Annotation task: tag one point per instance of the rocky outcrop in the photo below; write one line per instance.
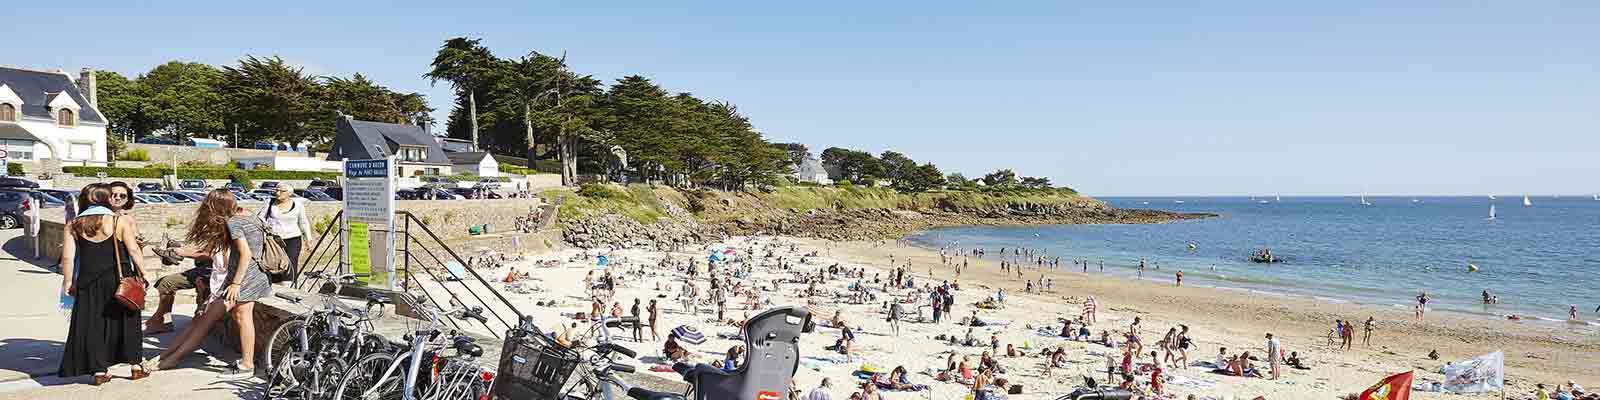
(609, 230)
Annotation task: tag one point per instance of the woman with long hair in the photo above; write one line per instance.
(103, 331)
(221, 226)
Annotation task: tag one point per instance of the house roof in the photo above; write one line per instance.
(38, 88)
(467, 157)
(16, 131)
(362, 140)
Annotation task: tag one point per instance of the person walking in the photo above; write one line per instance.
(286, 216)
(894, 316)
(221, 227)
(638, 321)
(102, 332)
(654, 312)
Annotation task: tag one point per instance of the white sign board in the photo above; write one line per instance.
(368, 191)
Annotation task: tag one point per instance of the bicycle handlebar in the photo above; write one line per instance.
(617, 348)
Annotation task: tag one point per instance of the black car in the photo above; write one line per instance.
(15, 203)
(11, 182)
(148, 187)
(268, 185)
(180, 196)
(192, 184)
(321, 183)
(313, 195)
(337, 193)
(234, 186)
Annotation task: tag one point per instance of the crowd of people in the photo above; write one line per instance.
(102, 252)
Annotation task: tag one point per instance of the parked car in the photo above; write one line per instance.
(266, 146)
(192, 184)
(158, 140)
(321, 183)
(487, 183)
(337, 193)
(15, 203)
(313, 195)
(146, 198)
(148, 187)
(426, 193)
(197, 195)
(175, 197)
(14, 182)
(62, 195)
(234, 186)
(268, 185)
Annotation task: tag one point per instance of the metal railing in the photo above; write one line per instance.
(421, 253)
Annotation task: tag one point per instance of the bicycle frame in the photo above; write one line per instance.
(421, 341)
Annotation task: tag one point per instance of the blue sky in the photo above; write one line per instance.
(1426, 97)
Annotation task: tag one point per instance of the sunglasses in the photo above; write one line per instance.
(119, 196)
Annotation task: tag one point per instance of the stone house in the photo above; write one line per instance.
(47, 120)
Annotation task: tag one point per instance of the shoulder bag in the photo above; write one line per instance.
(130, 290)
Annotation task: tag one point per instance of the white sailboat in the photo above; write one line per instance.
(1491, 212)
(1526, 202)
(1597, 197)
(1364, 200)
(1278, 198)
(1491, 197)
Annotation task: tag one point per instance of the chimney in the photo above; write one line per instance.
(86, 85)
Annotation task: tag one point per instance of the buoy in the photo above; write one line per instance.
(1472, 268)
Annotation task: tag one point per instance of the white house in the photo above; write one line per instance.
(811, 170)
(45, 116)
(476, 163)
(288, 163)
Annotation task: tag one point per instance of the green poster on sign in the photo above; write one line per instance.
(360, 252)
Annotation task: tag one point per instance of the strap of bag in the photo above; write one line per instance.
(115, 249)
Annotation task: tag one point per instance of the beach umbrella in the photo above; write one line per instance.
(689, 334)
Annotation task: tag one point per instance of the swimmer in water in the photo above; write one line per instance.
(1192, 246)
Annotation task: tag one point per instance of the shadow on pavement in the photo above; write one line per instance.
(36, 359)
(20, 248)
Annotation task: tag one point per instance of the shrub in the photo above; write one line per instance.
(597, 191)
(14, 169)
(134, 155)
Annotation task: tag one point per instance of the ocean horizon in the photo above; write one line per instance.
(1538, 260)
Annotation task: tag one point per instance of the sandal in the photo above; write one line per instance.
(138, 373)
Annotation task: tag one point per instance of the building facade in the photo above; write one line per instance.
(416, 152)
(48, 120)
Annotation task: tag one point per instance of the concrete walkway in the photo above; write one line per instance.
(33, 330)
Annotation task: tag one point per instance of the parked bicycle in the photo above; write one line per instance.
(309, 353)
(400, 373)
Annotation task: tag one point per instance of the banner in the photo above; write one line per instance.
(1482, 374)
(360, 252)
(1395, 387)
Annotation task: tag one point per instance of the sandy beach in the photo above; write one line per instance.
(1217, 318)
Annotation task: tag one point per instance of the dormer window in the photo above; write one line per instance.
(8, 112)
(65, 117)
(412, 153)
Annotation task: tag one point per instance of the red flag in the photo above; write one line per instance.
(1396, 387)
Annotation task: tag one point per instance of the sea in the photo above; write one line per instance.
(1539, 260)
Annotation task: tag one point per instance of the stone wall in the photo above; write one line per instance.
(160, 153)
(74, 182)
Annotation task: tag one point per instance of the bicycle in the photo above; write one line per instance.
(305, 354)
(398, 374)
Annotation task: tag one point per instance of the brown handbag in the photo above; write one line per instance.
(130, 290)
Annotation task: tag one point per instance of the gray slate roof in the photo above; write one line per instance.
(356, 139)
(37, 88)
(466, 157)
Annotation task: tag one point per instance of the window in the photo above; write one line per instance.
(8, 112)
(18, 149)
(66, 118)
(80, 151)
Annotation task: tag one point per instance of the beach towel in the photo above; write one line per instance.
(457, 272)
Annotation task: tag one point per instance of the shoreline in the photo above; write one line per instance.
(1540, 352)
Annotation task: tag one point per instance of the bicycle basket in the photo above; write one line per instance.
(532, 366)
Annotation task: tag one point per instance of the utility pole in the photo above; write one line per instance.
(472, 106)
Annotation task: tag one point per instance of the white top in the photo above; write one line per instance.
(818, 394)
(290, 223)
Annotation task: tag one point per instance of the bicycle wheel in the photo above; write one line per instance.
(282, 382)
(365, 373)
(284, 341)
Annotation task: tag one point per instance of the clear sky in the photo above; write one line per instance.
(1423, 97)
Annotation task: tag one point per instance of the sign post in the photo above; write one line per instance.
(5, 163)
(369, 201)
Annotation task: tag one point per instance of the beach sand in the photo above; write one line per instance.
(1217, 318)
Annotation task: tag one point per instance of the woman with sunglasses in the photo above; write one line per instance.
(286, 216)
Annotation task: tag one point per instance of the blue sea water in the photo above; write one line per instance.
(1539, 260)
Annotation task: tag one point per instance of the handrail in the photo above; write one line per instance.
(464, 265)
(446, 287)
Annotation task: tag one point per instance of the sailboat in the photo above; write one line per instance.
(1364, 200)
(1491, 197)
(1526, 202)
(1491, 212)
(1597, 197)
(1279, 199)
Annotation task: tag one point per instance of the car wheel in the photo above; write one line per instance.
(8, 221)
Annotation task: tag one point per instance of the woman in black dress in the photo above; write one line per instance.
(103, 332)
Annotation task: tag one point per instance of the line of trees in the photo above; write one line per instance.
(906, 175)
(536, 105)
(257, 99)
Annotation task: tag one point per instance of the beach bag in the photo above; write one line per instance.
(274, 259)
(130, 290)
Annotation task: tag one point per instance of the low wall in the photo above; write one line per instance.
(74, 182)
(160, 153)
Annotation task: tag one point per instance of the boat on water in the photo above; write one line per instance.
(1263, 202)
(1364, 200)
(1526, 202)
(1177, 201)
(1491, 197)
(1491, 212)
(1277, 198)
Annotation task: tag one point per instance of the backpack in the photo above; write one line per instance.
(273, 260)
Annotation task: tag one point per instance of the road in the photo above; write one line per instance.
(33, 331)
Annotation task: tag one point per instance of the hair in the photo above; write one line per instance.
(210, 227)
(83, 195)
(284, 187)
(125, 187)
(93, 194)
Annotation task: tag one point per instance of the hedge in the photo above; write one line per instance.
(199, 173)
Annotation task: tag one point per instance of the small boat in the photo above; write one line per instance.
(1263, 202)
(1491, 197)
(1177, 201)
(1526, 202)
(1277, 198)
(1491, 212)
(1414, 200)
(1364, 200)
(1597, 197)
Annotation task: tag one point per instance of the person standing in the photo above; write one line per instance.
(286, 216)
(654, 312)
(894, 316)
(638, 324)
(1274, 356)
(1422, 304)
(1180, 278)
(103, 332)
(221, 227)
(1366, 335)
